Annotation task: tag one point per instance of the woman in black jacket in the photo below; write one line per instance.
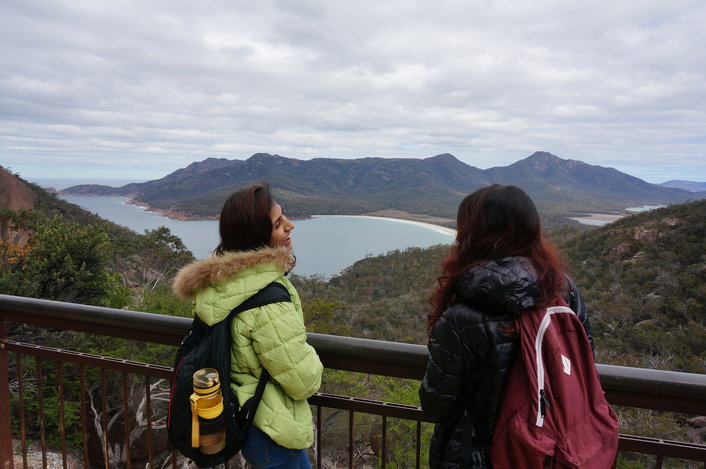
(499, 266)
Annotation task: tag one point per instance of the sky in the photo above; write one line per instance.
(134, 90)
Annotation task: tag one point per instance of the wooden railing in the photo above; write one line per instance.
(630, 387)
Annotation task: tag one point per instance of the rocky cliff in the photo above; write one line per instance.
(14, 194)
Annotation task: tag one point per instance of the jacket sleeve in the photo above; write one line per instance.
(444, 381)
(577, 304)
(279, 340)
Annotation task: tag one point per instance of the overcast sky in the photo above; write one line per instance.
(135, 89)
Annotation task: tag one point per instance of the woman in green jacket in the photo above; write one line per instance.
(255, 250)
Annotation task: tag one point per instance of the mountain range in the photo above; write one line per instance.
(691, 186)
(432, 186)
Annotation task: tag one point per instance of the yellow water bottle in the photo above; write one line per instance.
(208, 432)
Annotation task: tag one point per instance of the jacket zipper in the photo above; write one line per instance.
(541, 398)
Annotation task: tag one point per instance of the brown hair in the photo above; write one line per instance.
(245, 222)
(492, 223)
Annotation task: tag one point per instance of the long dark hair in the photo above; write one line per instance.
(492, 223)
(245, 222)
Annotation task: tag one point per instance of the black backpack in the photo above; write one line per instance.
(209, 347)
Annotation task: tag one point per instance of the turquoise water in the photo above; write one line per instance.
(644, 208)
(323, 245)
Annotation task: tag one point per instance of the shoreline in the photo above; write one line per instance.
(601, 216)
(605, 217)
(594, 218)
(438, 228)
(176, 215)
(167, 213)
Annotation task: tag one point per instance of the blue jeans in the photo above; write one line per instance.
(263, 453)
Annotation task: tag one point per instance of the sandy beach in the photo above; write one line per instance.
(439, 228)
(603, 216)
(597, 217)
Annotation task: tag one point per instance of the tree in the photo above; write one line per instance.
(67, 262)
(135, 411)
(149, 261)
(15, 225)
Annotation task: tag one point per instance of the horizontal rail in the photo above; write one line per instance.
(369, 406)
(635, 387)
(663, 448)
(628, 443)
(88, 359)
(125, 324)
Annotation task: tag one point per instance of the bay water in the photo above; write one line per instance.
(324, 245)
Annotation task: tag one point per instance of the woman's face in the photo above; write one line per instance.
(281, 228)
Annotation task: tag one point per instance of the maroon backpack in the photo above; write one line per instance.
(554, 413)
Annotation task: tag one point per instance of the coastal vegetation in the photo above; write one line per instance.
(643, 279)
(57, 251)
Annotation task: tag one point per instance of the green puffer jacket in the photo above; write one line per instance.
(272, 336)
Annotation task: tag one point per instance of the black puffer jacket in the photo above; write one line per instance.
(470, 357)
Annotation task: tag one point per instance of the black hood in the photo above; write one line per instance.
(506, 285)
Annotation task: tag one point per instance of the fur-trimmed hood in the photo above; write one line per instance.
(216, 270)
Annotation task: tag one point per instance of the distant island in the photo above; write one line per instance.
(426, 190)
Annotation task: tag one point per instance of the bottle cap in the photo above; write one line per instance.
(206, 378)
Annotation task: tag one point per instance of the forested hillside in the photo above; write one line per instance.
(382, 297)
(643, 279)
(55, 250)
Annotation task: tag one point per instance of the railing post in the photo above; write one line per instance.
(6, 456)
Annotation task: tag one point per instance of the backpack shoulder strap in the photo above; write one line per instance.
(274, 292)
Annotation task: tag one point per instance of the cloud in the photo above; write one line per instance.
(89, 84)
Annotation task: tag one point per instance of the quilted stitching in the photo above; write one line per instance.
(272, 335)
